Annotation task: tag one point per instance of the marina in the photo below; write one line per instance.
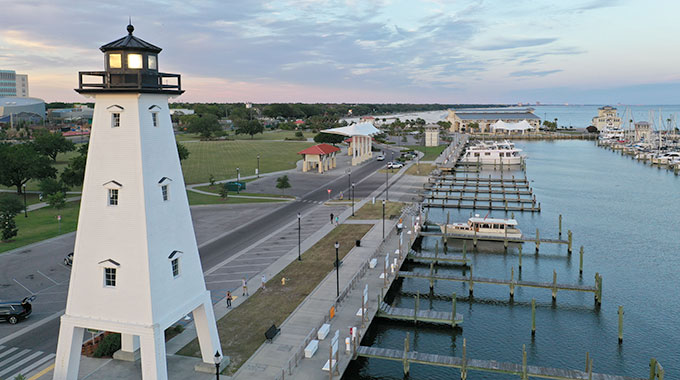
(520, 287)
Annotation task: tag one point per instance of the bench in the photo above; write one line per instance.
(271, 333)
(323, 331)
(373, 263)
(311, 348)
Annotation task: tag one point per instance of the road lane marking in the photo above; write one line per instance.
(20, 363)
(20, 284)
(36, 365)
(48, 277)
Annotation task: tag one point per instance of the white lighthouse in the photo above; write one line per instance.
(136, 268)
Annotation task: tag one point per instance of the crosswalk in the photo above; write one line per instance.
(16, 361)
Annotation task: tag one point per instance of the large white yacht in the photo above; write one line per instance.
(613, 133)
(494, 227)
(491, 152)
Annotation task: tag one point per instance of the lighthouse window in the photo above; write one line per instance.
(115, 61)
(175, 267)
(134, 61)
(154, 118)
(113, 197)
(164, 191)
(110, 277)
(152, 63)
(115, 120)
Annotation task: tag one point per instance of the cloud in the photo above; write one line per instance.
(503, 44)
(533, 73)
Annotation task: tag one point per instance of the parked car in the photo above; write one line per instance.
(68, 260)
(14, 311)
(394, 165)
(381, 158)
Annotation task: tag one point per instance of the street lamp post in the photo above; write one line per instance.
(238, 174)
(25, 207)
(258, 166)
(349, 182)
(218, 359)
(387, 183)
(352, 199)
(337, 270)
(383, 202)
(299, 239)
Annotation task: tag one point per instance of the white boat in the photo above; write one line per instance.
(666, 158)
(613, 133)
(493, 153)
(493, 227)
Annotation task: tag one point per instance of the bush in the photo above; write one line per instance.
(299, 134)
(107, 346)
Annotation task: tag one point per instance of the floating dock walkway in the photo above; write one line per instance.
(416, 315)
(465, 364)
(436, 258)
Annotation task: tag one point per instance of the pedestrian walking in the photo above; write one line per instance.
(337, 220)
(229, 298)
(331, 218)
(245, 286)
(264, 280)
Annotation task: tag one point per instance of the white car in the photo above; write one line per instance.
(395, 165)
(381, 158)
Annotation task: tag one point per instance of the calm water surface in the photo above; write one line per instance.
(625, 214)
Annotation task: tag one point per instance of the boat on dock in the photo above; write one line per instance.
(492, 227)
(493, 153)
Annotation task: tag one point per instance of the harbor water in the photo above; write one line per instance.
(627, 217)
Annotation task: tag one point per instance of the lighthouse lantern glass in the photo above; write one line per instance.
(115, 61)
(134, 61)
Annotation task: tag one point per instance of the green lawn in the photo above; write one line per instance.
(221, 158)
(268, 135)
(431, 152)
(204, 199)
(31, 198)
(42, 224)
(374, 211)
(60, 164)
(215, 189)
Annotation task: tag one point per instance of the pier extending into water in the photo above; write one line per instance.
(418, 315)
(465, 364)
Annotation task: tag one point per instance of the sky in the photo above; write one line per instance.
(363, 51)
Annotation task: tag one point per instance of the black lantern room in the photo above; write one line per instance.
(131, 65)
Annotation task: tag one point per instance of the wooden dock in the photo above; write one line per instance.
(480, 180)
(416, 315)
(437, 258)
(483, 206)
(524, 371)
(474, 190)
(460, 198)
(478, 237)
(511, 283)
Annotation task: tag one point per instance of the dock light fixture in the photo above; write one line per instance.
(352, 199)
(299, 238)
(258, 166)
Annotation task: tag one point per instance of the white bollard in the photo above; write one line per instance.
(348, 345)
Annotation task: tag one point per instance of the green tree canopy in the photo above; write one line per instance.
(50, 186)
(21, 163)
(283, 183)
(249, 127)
(74, 173)
(328, 138)
(10, 204)
(182, 151)
(51, 144)
(204, 125)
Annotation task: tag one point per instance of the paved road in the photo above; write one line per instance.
(260, 225)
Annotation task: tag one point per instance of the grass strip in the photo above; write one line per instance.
(215, 189)
(242, 329)
(371, 211)
(196, 199)
(420, 169)
(42, 224)
(431, 152)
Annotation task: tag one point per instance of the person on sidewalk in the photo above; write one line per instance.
(229, 298)
(264, 281)
(331, 218)
(245, 286)
(337, 220)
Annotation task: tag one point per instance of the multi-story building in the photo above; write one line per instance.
(13, 84)
(606, 118)
(461, 120)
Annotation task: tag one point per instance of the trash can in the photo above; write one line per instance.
(236, 186)
(358, 243)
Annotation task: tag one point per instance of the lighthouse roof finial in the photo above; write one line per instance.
(130, 28)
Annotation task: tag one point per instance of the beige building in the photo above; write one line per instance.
(431, 135)
(320, 156)
(461, 120)
(606, 118)
(643, 130)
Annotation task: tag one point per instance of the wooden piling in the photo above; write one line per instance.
(472, 284)
(525, 376)
(431, 276)
(520, 257)
(554, 289)
(406, 364)
(598, 288)
(463, 364)
(538, 241)
(415, 309)
(453, 310)
(620, 324)
(533, 317)
(512, 282)
(580, 262)
(559, 223)
(570, 242)
(505, 239)
(587, 361)
(464, 250)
